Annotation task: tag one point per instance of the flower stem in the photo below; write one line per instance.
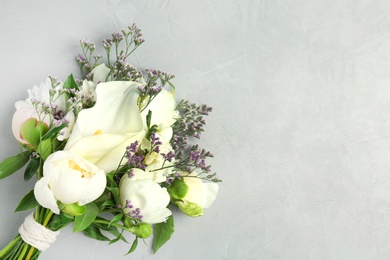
(114, 224)
(21, 256)
(5, 250)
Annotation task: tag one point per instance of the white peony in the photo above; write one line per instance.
(69, 179)
(140, 192)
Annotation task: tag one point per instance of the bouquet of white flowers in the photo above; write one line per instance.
(115, 142)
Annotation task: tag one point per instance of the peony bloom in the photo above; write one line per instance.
(32, 108)
(143, 198)
(192, 195)
(69, 179)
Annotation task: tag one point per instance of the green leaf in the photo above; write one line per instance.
(66, 218)
(116, 218)
(162, 233)
(70, 83)
(45, 148)
(94, 232)
(14, 163)
(31, 168)
(28, 202)
(83, 221)
(54, 131)
(148, 119)
(133, 246)
(111, 229)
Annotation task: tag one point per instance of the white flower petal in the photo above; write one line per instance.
(44, 196)
(210, 191)
(163, 109)
(100, 73)
(94, 188)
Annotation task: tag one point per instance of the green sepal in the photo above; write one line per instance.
(28, 202)
(32, 130)
(189, 208)
(31, 168)
(178, 189)
(143, 230)
(12, 164)
(162, 233)
(83, 221)
(45, 148)
(73, 209)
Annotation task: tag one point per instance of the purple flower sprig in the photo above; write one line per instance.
(134, 213)
(189, 161)
(155, 82)
(86, 60)
(133, 158)
(191, 122)
(120, 45)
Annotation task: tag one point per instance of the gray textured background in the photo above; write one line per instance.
(300, 128)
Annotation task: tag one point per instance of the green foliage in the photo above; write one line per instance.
(28, 202)
(133, 246)
(32, 130)
(162, 233)
(52, 132)
(31, 168)
(178, 189)
(12, 164)
(94, 232)
(83, 221)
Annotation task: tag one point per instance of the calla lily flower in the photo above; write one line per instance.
(102, 133)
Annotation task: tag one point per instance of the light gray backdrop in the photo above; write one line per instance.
(300, 128)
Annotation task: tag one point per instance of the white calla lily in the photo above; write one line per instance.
(102, 133)
(163, 108)
(100, 73)
(69, 179)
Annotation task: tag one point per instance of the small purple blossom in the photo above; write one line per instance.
(136, 213)
(133, 159)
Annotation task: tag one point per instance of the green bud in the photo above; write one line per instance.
(45, 148)
(127, 222)
(178, 190)
(32, 130)
(73, 209)
(143, 230)
(190, 209)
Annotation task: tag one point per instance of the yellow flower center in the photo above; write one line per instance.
(84, 173)
(98, 132)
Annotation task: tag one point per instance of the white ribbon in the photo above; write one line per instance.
(37, 235)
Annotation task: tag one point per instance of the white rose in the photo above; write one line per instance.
(142, 196)
(69, 179)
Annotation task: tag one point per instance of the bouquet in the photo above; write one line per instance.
(112, 152)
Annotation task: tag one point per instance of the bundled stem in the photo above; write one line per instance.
(19, 249)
